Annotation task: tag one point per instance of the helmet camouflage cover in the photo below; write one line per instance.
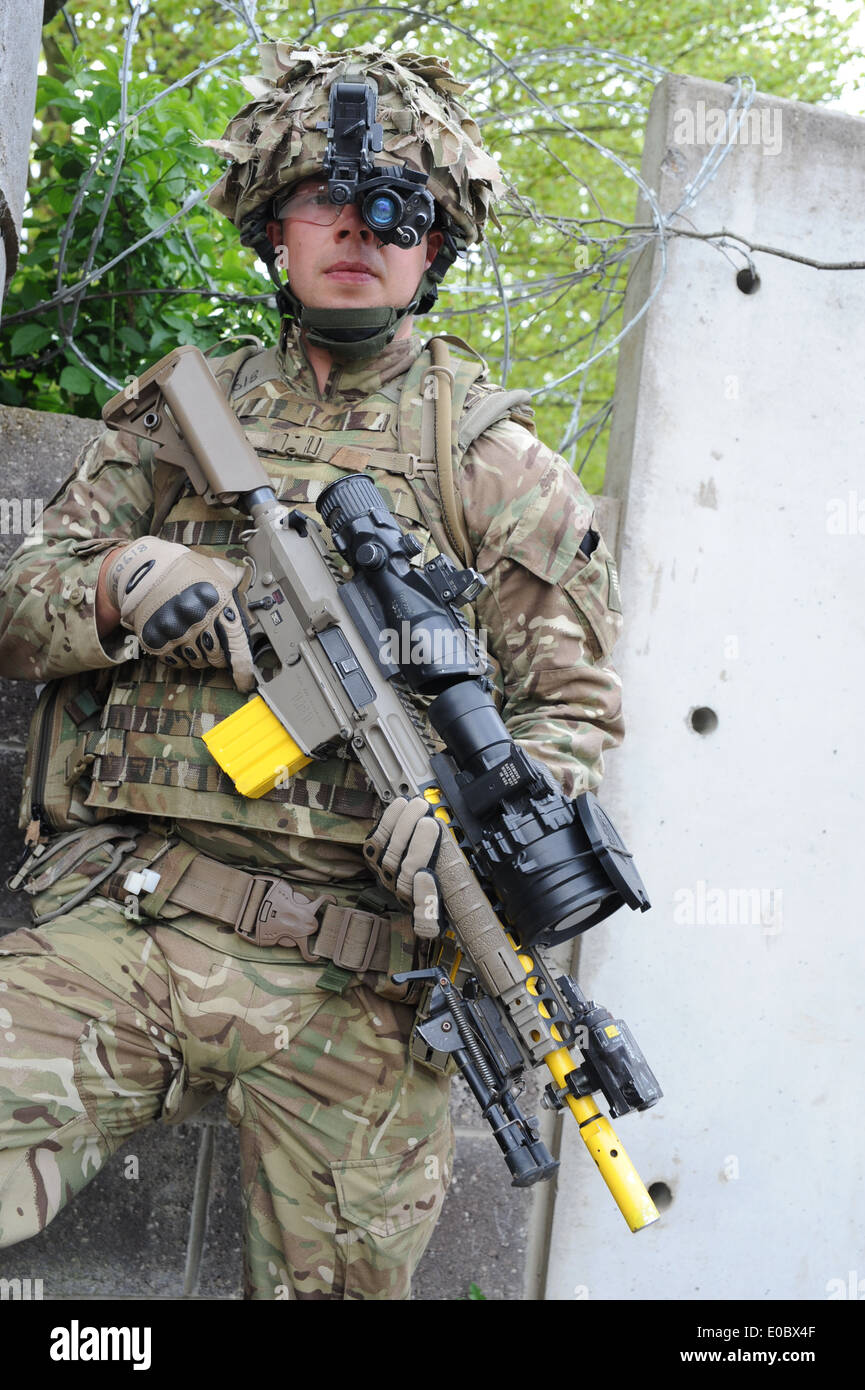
(273, 142)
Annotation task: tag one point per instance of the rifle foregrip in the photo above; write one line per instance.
(476, 924)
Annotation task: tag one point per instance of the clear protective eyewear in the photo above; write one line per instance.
(310, 204)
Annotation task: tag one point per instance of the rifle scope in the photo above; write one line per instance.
(556, 866)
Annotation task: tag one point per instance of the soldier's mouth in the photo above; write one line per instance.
(351, 271)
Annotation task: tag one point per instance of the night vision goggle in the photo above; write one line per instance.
(392, 198)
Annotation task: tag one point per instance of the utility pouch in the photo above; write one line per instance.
(61, 748)
(64, 871)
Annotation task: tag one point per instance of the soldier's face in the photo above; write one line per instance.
(344, 264)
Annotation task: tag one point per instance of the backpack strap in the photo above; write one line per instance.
(457, 405)
(437, 386)
(467, 347)
(491, 407)
(418, 412)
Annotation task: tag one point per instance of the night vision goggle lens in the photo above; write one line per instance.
(382, 211)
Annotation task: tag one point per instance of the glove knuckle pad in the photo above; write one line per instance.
(179, 613)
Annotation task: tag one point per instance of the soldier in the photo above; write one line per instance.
(147, 983)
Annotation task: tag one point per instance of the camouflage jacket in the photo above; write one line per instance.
(550, 614)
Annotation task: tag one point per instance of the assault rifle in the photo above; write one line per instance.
(516, 848)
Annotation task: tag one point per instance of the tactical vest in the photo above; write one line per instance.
(149, 756)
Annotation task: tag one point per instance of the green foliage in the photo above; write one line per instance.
(475, 1293)
(126, 319)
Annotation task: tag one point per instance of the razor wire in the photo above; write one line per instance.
(487, 287)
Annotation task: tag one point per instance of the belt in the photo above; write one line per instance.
(262, 908)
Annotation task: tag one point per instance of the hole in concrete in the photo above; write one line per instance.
(661, 1195)
(704, 720)
(748, 280)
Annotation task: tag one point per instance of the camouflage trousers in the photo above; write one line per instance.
(105, 1025)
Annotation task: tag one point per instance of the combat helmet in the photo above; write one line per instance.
(280, 138)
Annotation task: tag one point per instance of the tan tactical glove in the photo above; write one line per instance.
(183, 607)
(402, 851)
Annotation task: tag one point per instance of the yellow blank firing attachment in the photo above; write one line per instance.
(628, 1190)
(606, 1148)
(254, 749)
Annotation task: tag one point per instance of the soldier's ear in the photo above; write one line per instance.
(435, 241)
(274, 233)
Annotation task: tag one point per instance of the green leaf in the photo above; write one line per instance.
(106, 99)
(133, 338)
(30, 337)
(9, 393)
(159, 336)
(76, 381)
(65, 101)
(59, 199)
(49, 89)
(153, 218)
(175, 319)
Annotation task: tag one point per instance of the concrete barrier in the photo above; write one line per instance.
(736, 454)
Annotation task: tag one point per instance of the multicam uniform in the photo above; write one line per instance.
(345, 1142)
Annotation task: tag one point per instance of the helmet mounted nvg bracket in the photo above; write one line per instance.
(392, 201)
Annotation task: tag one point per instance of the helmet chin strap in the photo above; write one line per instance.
(349, 335)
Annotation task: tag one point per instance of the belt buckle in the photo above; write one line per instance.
(279, 916)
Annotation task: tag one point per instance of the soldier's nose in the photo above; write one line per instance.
(350, 221)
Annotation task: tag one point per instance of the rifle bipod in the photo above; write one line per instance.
(462, 1027)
